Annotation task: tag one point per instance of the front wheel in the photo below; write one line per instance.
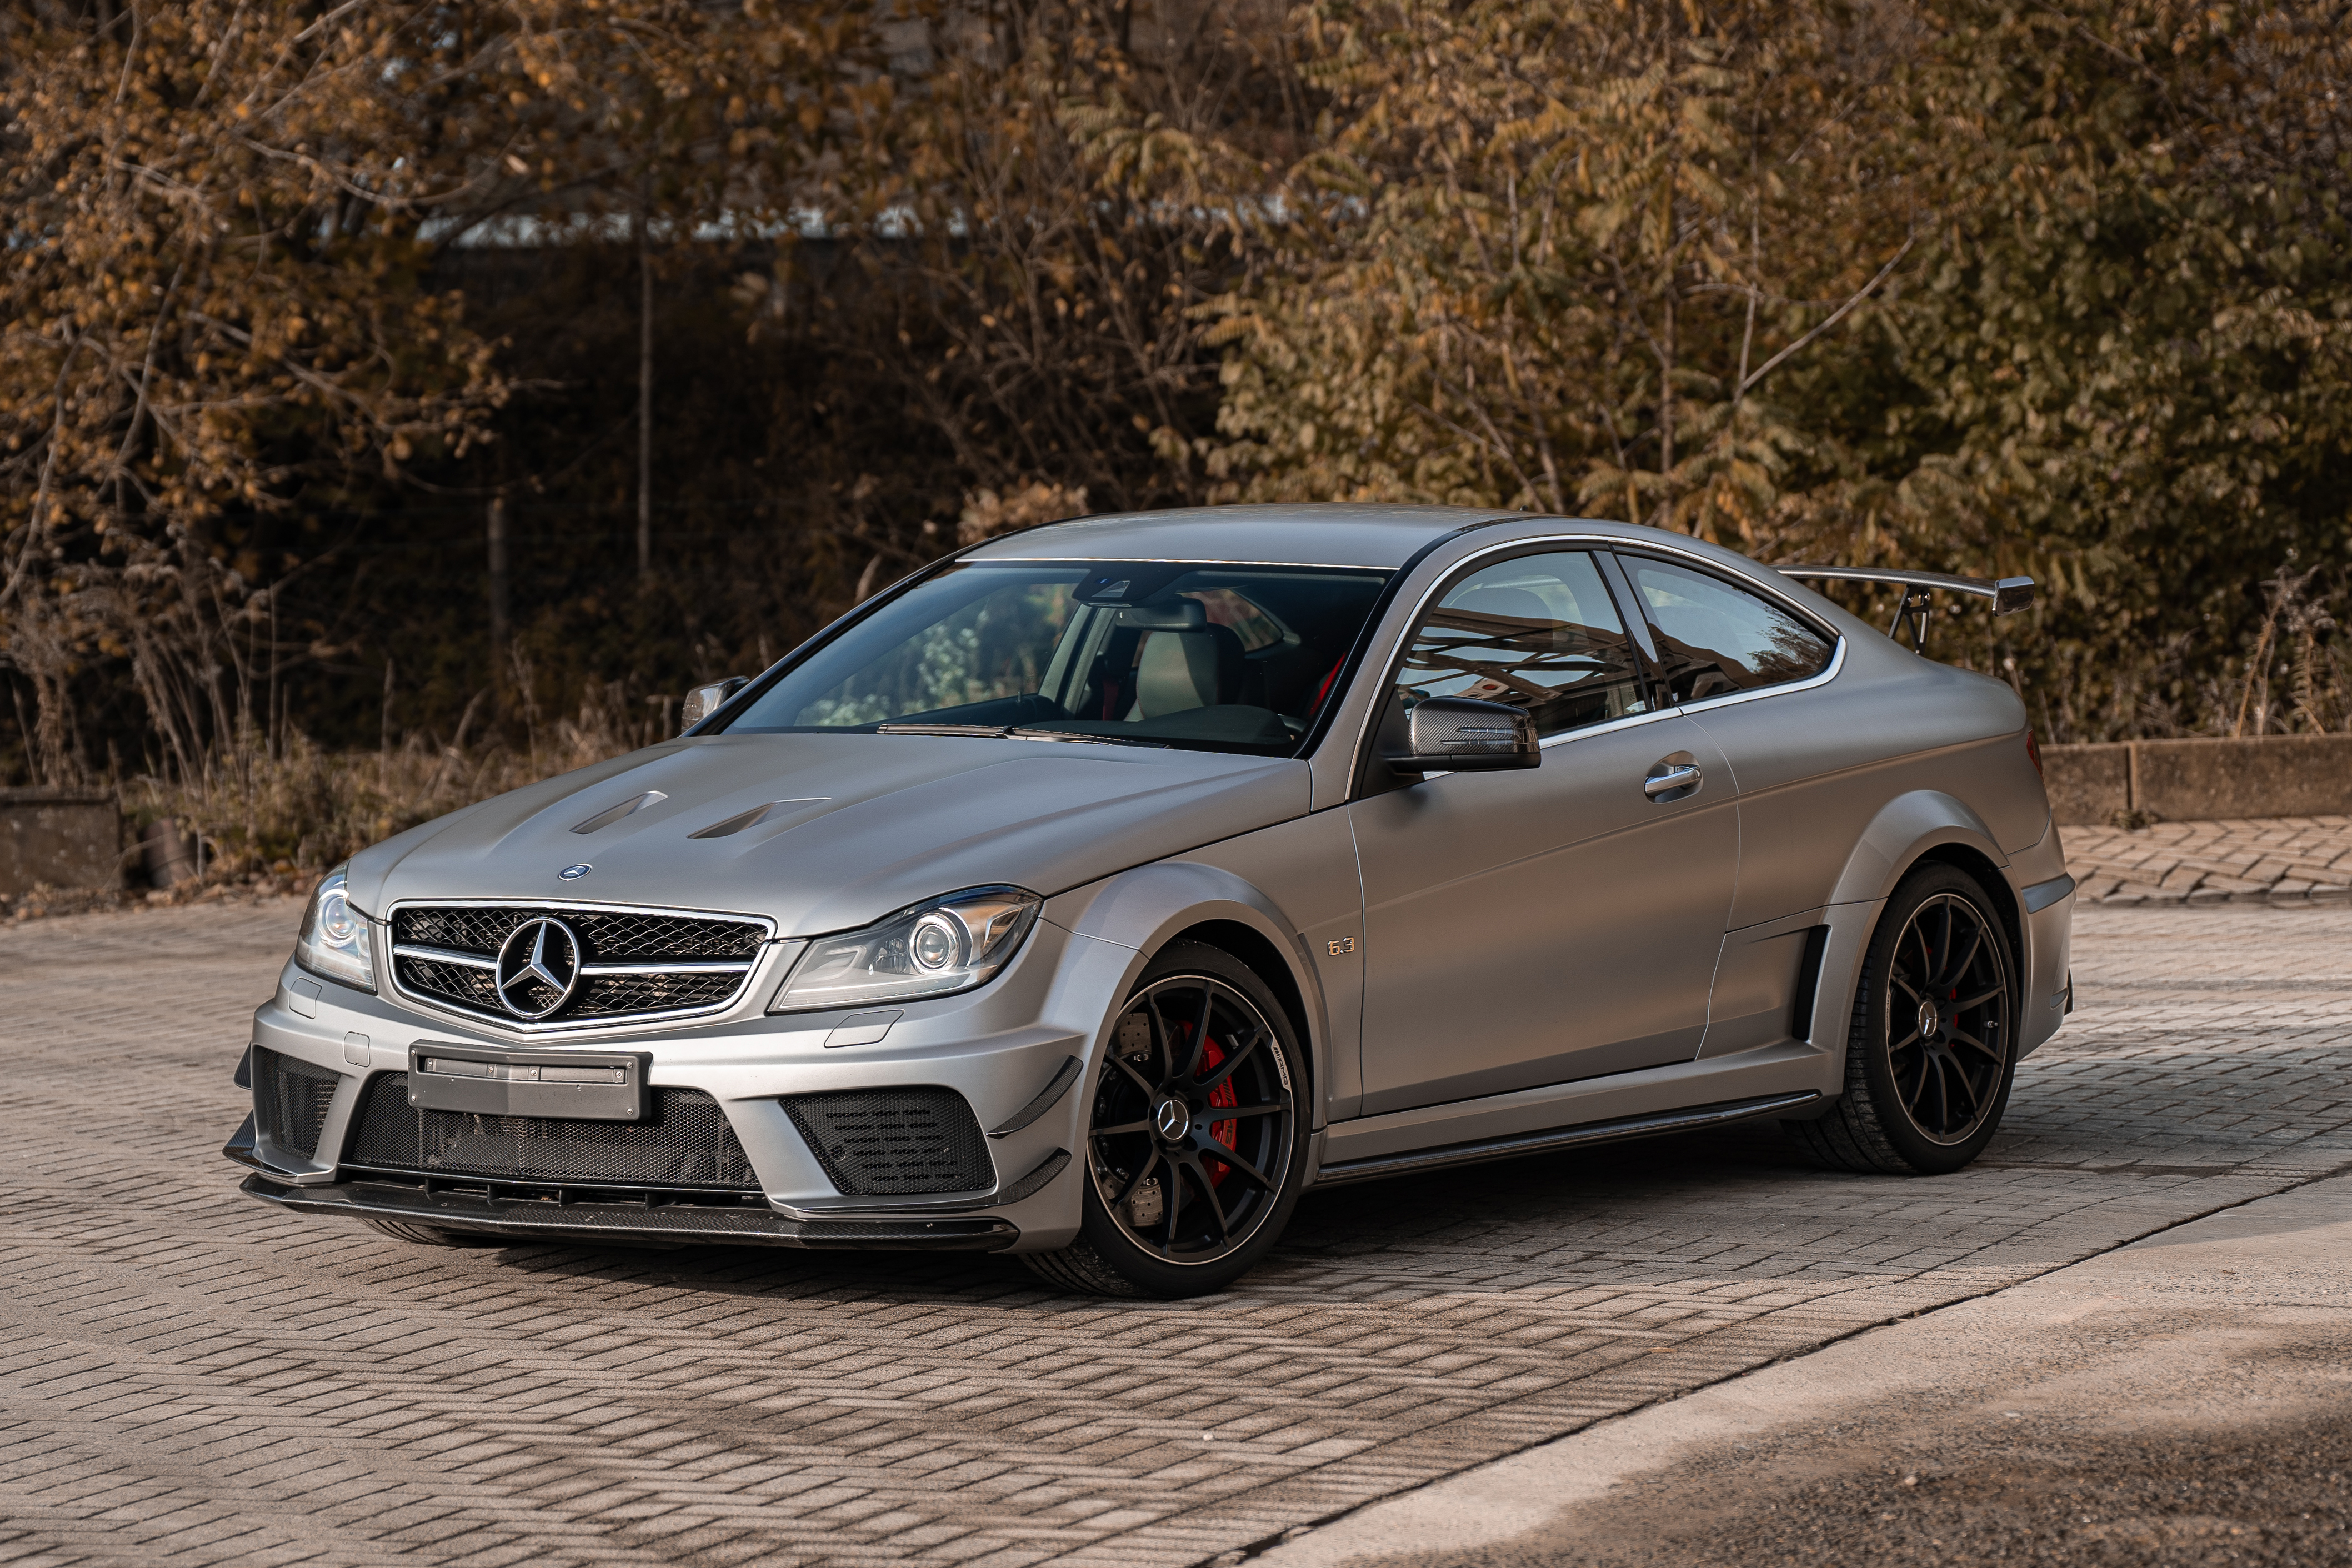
(1194, 1148)
(1933, 1046)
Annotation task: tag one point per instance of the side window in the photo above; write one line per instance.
(1714, 639)
(1538, 631)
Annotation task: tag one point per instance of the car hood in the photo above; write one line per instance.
(859, 825)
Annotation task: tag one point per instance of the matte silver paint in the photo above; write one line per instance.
(1474, 958)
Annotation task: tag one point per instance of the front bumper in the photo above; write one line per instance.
(1006, 1049)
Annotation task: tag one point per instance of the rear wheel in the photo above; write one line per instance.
(1932, 1049)
(1194, 1155)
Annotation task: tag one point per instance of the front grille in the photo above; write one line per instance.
(882, 1143)
(291, 1099)
(688, 1142)
(447, 954)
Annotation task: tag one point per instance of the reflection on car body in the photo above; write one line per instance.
(1094, 893)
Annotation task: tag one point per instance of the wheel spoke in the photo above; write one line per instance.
(1122, 1127)
(1159, 1038)
(1942, 1096)
(1133, 1076)
(1971, 1040)
(1209, 1191)
(1911, 1096)
(1969, 1003)
(1136, 1180)
(1952, 974)
(1907, 988)
(1216, 1113)
(1175, 1203)
(1967, 1088)
(1231, 1061)
(1200, 1033)
(1247, 1171)
(1906, 1042)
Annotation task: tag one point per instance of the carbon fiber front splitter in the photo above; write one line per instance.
(588, 1223)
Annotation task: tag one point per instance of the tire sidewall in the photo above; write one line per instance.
(1876, 1066)
(1157, 1276)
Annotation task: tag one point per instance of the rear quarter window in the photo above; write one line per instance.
(1716, 638)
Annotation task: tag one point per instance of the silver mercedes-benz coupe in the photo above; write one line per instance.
(1095, 892)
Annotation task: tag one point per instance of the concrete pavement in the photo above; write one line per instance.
(188, 1375)
(2182, 1399)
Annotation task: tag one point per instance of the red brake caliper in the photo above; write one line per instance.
(1225, 1133)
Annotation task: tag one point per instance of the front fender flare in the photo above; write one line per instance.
(1147, 908)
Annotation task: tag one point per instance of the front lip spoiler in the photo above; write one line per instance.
(587, 1223)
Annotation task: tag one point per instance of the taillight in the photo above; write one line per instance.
(2033, 750)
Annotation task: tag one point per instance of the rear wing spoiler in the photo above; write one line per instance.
(2008, 594)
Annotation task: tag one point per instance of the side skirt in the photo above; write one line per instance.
(1561, 1138)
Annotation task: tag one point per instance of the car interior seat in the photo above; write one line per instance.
(1175, 671)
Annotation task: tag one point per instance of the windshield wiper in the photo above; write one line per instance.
(1011, 732)
(1021, 733)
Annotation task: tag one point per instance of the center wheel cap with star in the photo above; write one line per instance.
(539, 967)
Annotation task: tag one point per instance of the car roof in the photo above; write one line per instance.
(1330, 534)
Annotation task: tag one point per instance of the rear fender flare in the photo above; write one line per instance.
(1145, 909)
(1906, 831)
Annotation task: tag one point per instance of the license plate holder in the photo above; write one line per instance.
(579, 1085)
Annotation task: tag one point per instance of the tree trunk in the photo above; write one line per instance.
(497, 587)
(644, 403)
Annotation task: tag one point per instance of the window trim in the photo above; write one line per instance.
(1609, 545)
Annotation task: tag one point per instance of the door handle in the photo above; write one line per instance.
(1673, 779)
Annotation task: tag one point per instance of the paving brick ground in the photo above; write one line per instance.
(2272, 860)
(188, 1376)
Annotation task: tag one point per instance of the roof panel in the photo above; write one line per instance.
(1335, 534)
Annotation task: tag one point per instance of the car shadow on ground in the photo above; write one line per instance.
(1535, 1204)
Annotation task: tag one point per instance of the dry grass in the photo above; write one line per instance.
(272, 823)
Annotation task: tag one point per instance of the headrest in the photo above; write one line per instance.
(1180, 669)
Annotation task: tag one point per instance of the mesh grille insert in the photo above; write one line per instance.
(687, 1144)
(879, 1143)
(606, 938)
(611, 939)
(291, 1099)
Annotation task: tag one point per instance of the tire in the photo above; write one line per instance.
(431, 1235)
(1164, 1216)
(1933, 1048)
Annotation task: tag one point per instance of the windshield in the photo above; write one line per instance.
(1213, 658)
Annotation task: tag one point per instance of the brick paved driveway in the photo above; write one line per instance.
(188, 1376)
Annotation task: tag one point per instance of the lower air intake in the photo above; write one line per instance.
(890, 1142)
(291, 1099)
(687, 1144)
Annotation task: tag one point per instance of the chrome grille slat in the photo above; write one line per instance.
(635, 964)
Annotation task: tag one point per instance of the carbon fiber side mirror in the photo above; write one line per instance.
(1463, 734)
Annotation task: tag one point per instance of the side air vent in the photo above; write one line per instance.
(894, 1142)
(291, 1099)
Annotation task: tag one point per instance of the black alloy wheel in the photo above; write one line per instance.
(1932, 1047)
(1193, 1149)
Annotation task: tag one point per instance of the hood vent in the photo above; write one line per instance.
(755, 816)
(606, 817)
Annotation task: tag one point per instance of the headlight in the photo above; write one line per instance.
(335, 942)
(951, 944)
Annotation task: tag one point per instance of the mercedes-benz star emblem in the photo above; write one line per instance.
(574, 872)
(1172, 1120)
(538, 967)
